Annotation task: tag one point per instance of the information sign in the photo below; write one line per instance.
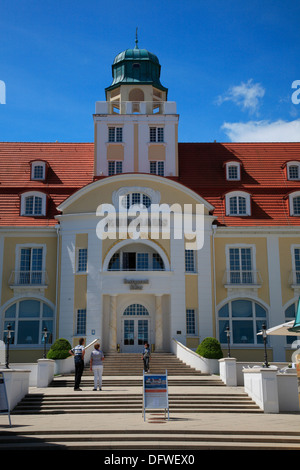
(155, 392)
(4, 406)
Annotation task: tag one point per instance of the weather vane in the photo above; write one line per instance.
(136, 38)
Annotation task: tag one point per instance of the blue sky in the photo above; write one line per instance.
(229, 65)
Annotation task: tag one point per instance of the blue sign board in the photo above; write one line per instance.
(155, 392)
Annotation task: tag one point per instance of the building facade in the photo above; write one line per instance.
(136, 237)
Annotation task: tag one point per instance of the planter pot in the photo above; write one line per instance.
(64, 366)
(209, 366)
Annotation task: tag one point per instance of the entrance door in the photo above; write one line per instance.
(135, 328)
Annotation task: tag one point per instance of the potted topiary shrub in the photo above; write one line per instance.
(59, 351)
(210, 351)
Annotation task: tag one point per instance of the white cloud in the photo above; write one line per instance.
(263, 131)
(245, 95)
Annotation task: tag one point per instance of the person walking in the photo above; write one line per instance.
(96, 365)
(78, 353)
(146, 357)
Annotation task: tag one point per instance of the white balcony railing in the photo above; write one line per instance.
(241, 278)
(135, 107)
(294, 279)
(28, 278)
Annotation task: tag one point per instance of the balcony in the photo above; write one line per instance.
(294, 279)
(135, 107)
(28, 279)
(242, 279)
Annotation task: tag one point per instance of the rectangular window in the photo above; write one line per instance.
(142, 262)
(293, 172)
(233, 173)
(157, 168)
(115, 134)
(156, 134)
(115, 167)
(38, 172)
(240, 261)
(157, 262)
(31, 265)
(297, 265)
(190, 261)
(190, 322)
(81, 322)
(82, 260)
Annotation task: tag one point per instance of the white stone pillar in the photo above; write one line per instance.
(158, 324)
(113, 323)
(228, 371)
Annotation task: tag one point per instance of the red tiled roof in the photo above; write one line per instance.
(71, 166)
(263, 175)
(201, 168)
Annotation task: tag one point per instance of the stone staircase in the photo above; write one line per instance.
(108, 402)
(131, 364)
(192, 396)
(151, 439)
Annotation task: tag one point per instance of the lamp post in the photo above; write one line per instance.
(264, 335)
(8, 337)
(228, 339)
(45, 340)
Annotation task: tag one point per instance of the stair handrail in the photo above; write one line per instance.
(88, 350)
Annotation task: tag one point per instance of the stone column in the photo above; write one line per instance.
(158, 324)
(113, 323)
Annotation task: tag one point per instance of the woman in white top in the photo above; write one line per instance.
(96, 366)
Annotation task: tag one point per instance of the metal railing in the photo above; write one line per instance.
(242, 278)
(28, 278)
(294, 278)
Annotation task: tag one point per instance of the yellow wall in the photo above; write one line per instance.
(9, 260)
(286, 266)
(261, 264)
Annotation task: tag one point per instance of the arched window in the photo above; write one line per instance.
(238, 203)
(293, 171)
(294, 201)
(135, 309)
(33, 203)
(233, 171)
(244, 318)
(290, 314)
(28, 318)
(136, 257)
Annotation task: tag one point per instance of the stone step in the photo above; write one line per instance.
(156, 439)
(131, 364)
(97, 402)
(68, 381)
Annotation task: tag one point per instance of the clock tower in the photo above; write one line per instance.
(136, 128)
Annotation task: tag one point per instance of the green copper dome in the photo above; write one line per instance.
(136, 66)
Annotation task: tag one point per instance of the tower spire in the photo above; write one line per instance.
(136, 38)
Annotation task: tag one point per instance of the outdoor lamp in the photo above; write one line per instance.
(8, 337)
(264, 335)
(228, 339)
(45, 341)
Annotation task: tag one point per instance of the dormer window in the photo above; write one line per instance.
(33, 203)
(233, 171)
(38, 170)
(294, 202)
(293, 171)
(238, 203)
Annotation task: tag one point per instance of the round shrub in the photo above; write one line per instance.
(59, 349)
(210, 348)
